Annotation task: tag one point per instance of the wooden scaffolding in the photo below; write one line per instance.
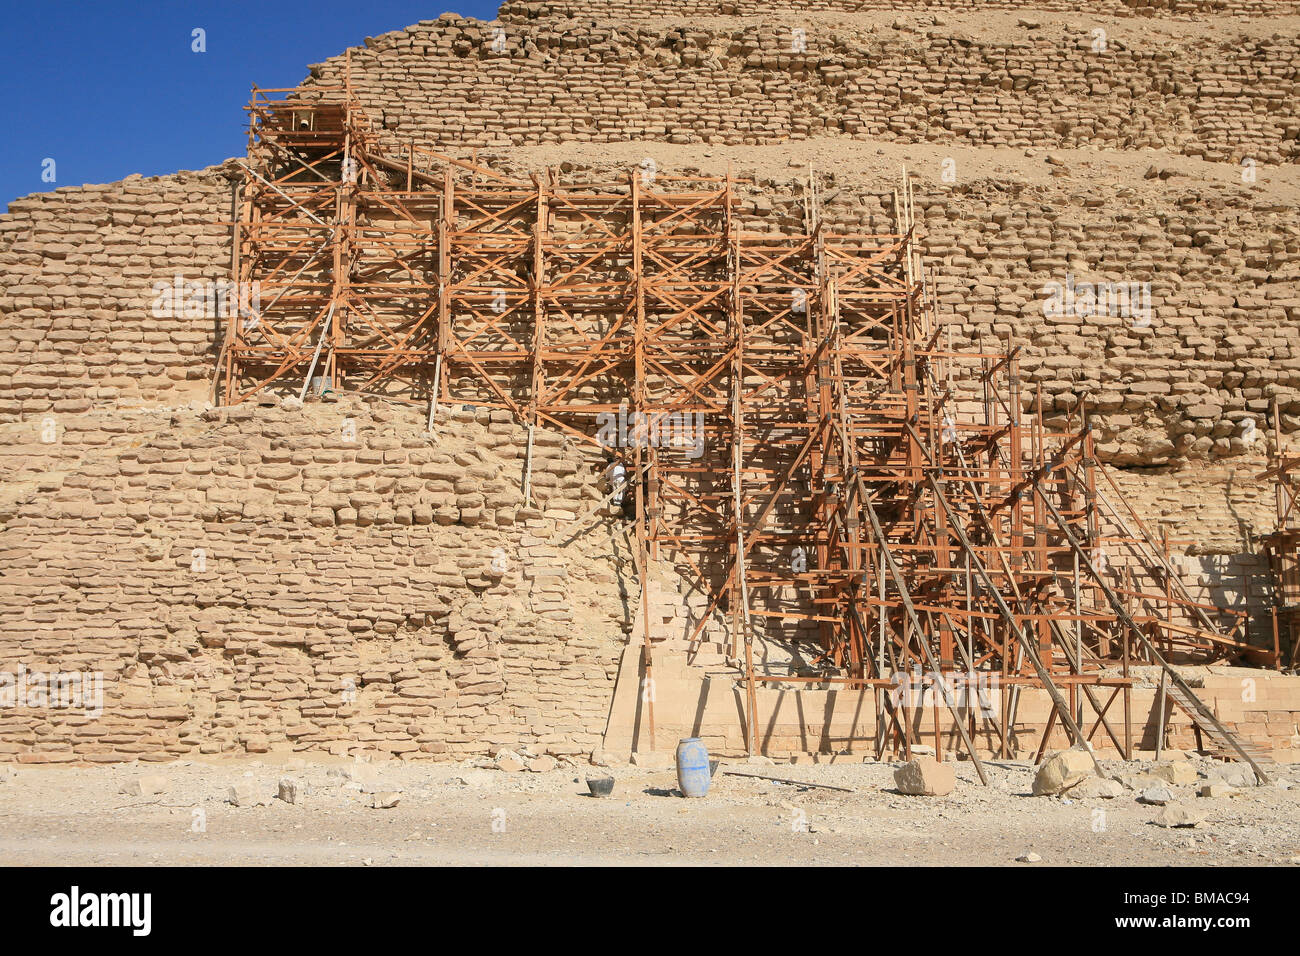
(803, 445)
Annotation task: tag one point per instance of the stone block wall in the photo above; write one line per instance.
(347, 599)
(78, 268)
(795, 720)
(1220, 95)
(524, 10)
(250, 580)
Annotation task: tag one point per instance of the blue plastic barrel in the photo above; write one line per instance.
(692, 767)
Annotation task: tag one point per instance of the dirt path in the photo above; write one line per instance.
(454, 815)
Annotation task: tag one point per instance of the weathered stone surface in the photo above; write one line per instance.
(245, 793)
(412, 664)
(1061, 771)
(1179, 815)
(1179, 774)
(145, 786)
(292, 790)
(925, 777)
(510, 762)
(1097, 788)
(1157, 796)
(1215, 790)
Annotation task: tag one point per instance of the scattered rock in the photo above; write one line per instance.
(925, 777)
(1061, 771)
(509, 761)
(759, 760)
(384, 799)
(146, 786)
(1156, 796)
(354, 773)
(291, 790)
(1177, 815)
(244, 794)
(543, 764)
(1029, 858)
(1215, 789)
(1138, 781)
(1178, 774)
(1097, 788)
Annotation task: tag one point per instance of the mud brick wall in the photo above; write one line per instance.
(1221, 96)
(391, 595)
(77, 273)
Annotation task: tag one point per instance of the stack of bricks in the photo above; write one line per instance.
(329, 579)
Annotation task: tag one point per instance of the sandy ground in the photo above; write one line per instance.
(456, 815)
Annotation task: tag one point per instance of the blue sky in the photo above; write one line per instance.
(107, 88)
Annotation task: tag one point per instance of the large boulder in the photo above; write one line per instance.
(925, 777)
(1061, 771)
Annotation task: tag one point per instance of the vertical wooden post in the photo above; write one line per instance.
(638, 408)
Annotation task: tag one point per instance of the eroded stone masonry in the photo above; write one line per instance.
(336, 578)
